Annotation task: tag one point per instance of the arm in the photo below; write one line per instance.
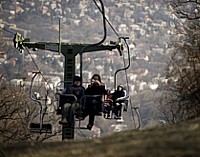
(125, 97)
(68, 90)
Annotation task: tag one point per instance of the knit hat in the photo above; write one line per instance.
(120, 86)
(77, 78)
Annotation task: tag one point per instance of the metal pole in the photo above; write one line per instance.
(59, 48)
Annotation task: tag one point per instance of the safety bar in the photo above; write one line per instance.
(72, 98)
(88, 96)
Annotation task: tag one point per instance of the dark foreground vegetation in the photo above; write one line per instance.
(176, 140)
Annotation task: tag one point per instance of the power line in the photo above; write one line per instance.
(34, 62)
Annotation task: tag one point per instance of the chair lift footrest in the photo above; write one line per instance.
(37, 128)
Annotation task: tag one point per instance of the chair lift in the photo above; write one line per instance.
(108, 104)
(69, 51)
(78, 114)
(109, 108)
(40, 126)
(133, 108)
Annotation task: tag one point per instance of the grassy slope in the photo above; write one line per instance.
(172, 141)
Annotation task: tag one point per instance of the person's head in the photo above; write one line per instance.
(96, 77)
(120, 88)
(96, 80)
(77, 80)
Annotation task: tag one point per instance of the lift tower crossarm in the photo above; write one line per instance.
(20, 43)
(77, 47)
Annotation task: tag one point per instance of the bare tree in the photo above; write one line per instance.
(16, 112)
(16, 108)
(180, 99)
(189, 9)
(14, 115)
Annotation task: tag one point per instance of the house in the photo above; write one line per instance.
(2, 57)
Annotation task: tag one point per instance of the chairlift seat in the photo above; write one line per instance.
(38, 128)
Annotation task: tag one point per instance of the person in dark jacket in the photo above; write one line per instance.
(73, 92)
(119, 101)
(95, 91)
(75, 88)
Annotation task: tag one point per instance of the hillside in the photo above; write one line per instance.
(175, 141)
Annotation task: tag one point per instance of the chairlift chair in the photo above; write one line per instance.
(69, 51)
(40, 126)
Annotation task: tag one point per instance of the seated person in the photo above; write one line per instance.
(119, 101)
(108, 104)
(94, 104)
(68, 109)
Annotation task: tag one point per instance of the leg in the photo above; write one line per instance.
(79, 112)
(96, 107)
(116, 110)
(91, 112)
(125, 105)
(122, 110)
(64, 112)
(91, 121)
(68, 112)
(108, 111)
(65, 109)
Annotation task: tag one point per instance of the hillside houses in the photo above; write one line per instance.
(2, 57)
(142, 20)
